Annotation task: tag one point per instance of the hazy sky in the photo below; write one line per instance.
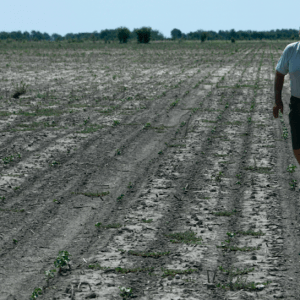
(74, 16)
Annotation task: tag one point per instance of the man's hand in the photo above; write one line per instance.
(276, 109)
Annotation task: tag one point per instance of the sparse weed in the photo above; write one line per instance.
(147, 221)
(49, 274)
(116, 123)
(36, 293)
(147, 125)
(236, 271)
(291, 168)
(218, 176)
(20, 90)
(125, 292)
(11, 158)
(120, 197)
(62, 260)
(235, 248)
(293, 184)
(188, 237)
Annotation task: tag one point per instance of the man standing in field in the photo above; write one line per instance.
(289, 62)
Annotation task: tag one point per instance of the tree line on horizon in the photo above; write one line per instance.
(145, 34)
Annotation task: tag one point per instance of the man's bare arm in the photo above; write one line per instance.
(279, 79)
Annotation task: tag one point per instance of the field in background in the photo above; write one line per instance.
(170, 149)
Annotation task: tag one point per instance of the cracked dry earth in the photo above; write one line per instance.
(172, 149)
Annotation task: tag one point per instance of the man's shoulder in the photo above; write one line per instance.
(293, 46)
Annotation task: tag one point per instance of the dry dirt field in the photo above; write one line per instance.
(158, 168)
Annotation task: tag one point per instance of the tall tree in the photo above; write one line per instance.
(176, 34)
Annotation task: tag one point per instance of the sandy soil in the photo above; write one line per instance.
(171, 148)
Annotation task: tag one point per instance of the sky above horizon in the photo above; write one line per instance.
(66, 16)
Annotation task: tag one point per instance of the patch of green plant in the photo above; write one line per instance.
(224, 213)
(147, 221)
(187, 237)
(36, 293)
(172, 273)
(116, 225)
(148, 254)
(160, 152)
(178, 145)
(173, 104)
(116, 123)
(11, 158)
(130, 185)
(49, 274)
(62, 260)
(147, 125)
(293, 184)
(126, 292)
(236, 271)
(241, 284)
(262, 170)
(5, 113)
(218, 177)
(291, 168)
(20, 90)
(182, 124)
(250, 232)
(54, 163)
(120, 197)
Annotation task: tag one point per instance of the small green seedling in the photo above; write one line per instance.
(182, 124)
(118, 152)
(98, 224)
(36, 293)
(218, 176)
(62, 260)
(125, 292)
(160, 152)
(116, 123)
(55, 200)
(147, 125)
(238, 176)
(86, 121)
(147, 221)
(120, 197)
(291, 168)
(130, 185)
(15, 241)
(293, 184)
(49, 274)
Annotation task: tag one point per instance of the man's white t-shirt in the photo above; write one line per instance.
(289, 62)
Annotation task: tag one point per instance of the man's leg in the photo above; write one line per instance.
(297, 155)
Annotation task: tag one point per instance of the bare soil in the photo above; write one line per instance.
(172, 147)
